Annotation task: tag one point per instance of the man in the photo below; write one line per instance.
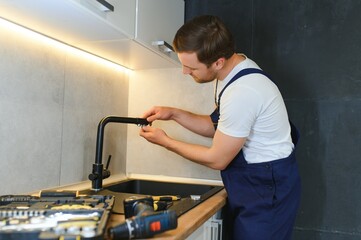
(252, 143)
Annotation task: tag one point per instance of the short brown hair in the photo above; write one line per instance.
(207, 36)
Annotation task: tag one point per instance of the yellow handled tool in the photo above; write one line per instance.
(166, 198)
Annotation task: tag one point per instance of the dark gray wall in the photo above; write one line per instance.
(313, 50)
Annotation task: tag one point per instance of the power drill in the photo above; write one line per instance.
(141, 221)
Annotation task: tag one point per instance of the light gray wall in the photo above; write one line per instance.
(50, 104)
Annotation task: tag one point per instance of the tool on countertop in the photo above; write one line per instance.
(166, 198)
(141, 219)
(54, 215)
(162, 205)
(164, 202)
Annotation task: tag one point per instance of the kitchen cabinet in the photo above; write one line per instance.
(124, 36)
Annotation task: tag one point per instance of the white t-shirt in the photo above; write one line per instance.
(253, 107)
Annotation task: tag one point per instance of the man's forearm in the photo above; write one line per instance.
(199, 124)
(195, 153)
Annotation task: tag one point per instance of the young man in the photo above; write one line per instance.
(252, 143)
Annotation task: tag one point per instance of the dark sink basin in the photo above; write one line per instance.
(123, 190)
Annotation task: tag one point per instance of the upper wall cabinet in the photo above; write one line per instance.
(133, 33)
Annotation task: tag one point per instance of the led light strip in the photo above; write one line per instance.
(39, 37)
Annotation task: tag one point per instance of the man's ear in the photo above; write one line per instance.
(219, 63)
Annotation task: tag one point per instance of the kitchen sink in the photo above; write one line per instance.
(191, 194)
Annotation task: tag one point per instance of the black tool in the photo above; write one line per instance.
(162, 205)
(6, 199)
(142, 221)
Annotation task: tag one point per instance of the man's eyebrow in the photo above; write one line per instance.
(189, 67)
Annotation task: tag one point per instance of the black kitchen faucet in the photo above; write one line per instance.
(99, 172)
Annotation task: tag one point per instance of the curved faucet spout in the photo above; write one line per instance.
(98, 172)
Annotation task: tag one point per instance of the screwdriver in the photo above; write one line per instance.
(166, 198)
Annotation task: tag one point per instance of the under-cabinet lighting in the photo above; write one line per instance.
(38, 37)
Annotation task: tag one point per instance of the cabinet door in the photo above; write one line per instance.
(158, 20)
(123, 17)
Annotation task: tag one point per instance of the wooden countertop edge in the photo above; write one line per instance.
(192, 220)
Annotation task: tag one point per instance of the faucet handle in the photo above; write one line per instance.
(93, 176)
(106, 172)
(107, 166)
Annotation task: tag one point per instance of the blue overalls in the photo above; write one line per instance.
(263, 198)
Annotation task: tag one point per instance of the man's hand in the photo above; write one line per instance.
(154, 135)
(158, 113)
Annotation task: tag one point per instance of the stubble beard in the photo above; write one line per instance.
(208, 79)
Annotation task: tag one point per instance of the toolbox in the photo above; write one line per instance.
(54, 216)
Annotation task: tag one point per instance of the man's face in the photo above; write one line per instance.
(197, 70)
